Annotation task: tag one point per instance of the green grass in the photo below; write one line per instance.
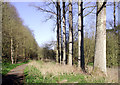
(91, 64)
(7, 66)
(33, 75)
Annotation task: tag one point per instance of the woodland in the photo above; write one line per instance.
(77, 57)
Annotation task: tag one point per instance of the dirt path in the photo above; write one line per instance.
(15, 76)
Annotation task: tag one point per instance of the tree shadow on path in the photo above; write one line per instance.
(12, 80)
(15, 76)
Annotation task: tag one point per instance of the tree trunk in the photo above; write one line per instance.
(114, 15)
(82, 39)
(70, 34)
(60, 39)
(118, 14)
(81, 61)
(100, 41)
(12, 60)
(58, 51)
(64, 35)
(79, 33)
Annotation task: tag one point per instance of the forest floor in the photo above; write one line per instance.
(15, 76)
(51, 72)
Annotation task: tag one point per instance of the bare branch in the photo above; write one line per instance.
(87, 3)
(54, 3)
(90, 12)
(104, 3)
(44, 10)
(48, 18)
(90, 7)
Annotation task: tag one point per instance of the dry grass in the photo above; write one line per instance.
(54, 69)
(57, 69)
(112, 74)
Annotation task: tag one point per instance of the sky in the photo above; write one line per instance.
(43, 31)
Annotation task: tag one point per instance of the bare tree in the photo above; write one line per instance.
(100, 38)
(60, 37)
(70, 34)
(64, 34)
(58, 51)
(80, 36)
(114, 15)
(79, 33)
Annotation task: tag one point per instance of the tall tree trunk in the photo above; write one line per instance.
(114, 15)
(60, 39)
(58, 51)
(118, 14)
(12, 60)
(1, 11)
(100, 41)
(70, 34)
(79, 33)
(64, 34)
(81, 61)
(82, 39)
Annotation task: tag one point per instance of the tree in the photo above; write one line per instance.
(58, 51)
(64, 34)
(100, 38)
(60, 36)
(80, 36)
(79, 33)
(0, 31)
(16, 36)
(114, 14)
(70, 34)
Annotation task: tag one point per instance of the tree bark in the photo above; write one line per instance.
(58, 52)
(12, 60)
(60, 39)
(82, 39)
(64, 35)
(100, 38)
(79, 33)
(114, 15)
(70, 34)
(81, 61)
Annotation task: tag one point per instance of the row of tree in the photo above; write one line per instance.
(100, 46)
(18, 41)
(66, 51)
